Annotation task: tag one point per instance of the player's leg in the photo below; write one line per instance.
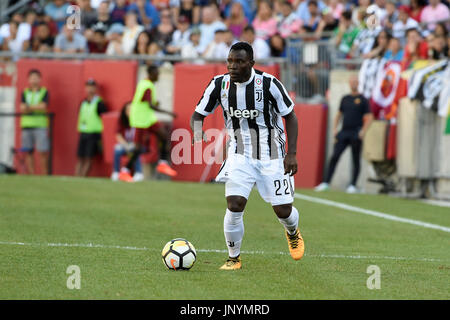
(237, 190)
(277, 188)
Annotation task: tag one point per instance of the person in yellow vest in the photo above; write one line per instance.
(34, 127)
(90, 127)
(144, 119)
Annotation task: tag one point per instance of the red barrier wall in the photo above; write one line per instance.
(65, 82)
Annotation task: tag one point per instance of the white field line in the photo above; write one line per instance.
(371, 212)
(101, 246)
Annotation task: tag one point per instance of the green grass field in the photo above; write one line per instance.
(115, 231)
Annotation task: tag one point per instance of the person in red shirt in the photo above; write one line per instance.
(416, 9)
(98, 43)
(416, 48)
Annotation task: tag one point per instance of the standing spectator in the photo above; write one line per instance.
(415, 48)
(70, 41)
(303, 11)
(13, 42)
(147, 14)
(90, 127)
(403, 23)
(180, 36)
(380, 46)
(210, 24)
(416, 9)
(346, 33)
(236, 21)
(114, 36)
(119, 11)
(162, 34)
(356, 117)
(125, 145)
(57, 11)
(288, 22)
(260, 47)
(131, 32)
(265, 24)
(99, 43)
(391, 14)
(434, 12)
(42, 41)
(34, 101)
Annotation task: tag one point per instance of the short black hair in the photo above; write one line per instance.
(152, 69)
(347, 15)
(243, 46)
(249, 28)
(34, 71)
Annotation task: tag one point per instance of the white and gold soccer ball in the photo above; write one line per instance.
(179, 254)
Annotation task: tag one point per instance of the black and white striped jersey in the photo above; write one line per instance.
(252, 111)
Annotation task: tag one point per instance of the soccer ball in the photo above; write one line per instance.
(179, 254)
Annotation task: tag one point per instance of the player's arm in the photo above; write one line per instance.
(290, 161)
(156, 107)
(207, 104)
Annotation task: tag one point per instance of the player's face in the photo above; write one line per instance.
(239, 65)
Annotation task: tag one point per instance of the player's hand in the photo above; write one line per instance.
(290, 164)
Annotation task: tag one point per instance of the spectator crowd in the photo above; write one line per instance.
(396, 29)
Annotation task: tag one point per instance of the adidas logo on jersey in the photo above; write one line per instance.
(245, 113)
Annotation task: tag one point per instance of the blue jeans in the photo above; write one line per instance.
(119, 151)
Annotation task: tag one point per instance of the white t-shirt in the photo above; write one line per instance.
(261, 49)
(129, 38)
(399, 28)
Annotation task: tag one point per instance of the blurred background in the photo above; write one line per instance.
(397, 50)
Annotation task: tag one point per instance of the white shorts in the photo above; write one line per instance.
(241, 173)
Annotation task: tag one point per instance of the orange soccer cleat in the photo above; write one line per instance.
(125, 175)
(296, 244)
(164, 168)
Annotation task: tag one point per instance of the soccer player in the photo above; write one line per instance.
(143, 118)
(90, 126)
(253, 103)
(35, 126)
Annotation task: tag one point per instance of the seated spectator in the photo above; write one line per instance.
(131, 32)
(227, 7)
(119, 11)
(434, 12)
(180, 36)
(13, 42)
(223, 48)
(395, 51)
(236, 21)
(142, 43)
(211, 49)
(391, 15)
(103, 16)
(88, 14)
(4, 29)
(57, 11)
(441, 30)
(328, 24)
(42, 41)
(186, 8)
(415, 48)
(147, 15)
(192, 49)
(261, 49)
(438, 48)
(345, 34)
(125, 145)
(25, 25)
(303, 11)
(162, 34)
(312, 23)
(288, 22)
(98, 43)
(416, 9)
(114, 36)
(70, 41)
(380, 46)
(265, 24)
(403, 23)
(210, 24)
(277, 46)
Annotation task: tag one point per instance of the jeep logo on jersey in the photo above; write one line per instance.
(245, 113)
